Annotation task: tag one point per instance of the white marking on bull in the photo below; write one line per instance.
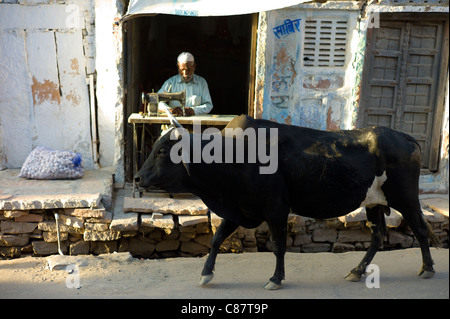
(375, 195)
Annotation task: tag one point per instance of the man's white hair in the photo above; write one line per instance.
(185, 57)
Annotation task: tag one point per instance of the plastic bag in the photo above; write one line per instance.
(44, 163)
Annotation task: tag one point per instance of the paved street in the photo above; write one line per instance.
(318, 275)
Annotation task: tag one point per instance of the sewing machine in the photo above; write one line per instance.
(151, 100)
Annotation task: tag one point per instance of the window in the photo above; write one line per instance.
(325, 42)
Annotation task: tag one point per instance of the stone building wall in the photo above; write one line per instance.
(157, 235)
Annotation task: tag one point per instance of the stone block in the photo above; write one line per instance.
(167, 245)
(15, 213)
(50, 226)
(27, 202)
(202, 228)
(342, 247)
(10, 227)
(232, 245)
(324, 235)
(165, 222)
(103, 247)
(249, 239)
(109, 235)
(348, 236)
(215, 221)
(434, 217)
(165, 206)
(302, 239)
(42, 248)
(437, 204)
(354, 216)
(96, 226)
(71, 221)
(30, 218)
(10, 252)
(13, 240)
(187, 236)
(193, 248)
(51, 237)
(107, 218)
(99, 212)
(186, 220)
(124, 222)
(399, 238)
(80, 247)
(139, 247)
(205, 239)
(296, 223)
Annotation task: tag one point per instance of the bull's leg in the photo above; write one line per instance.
(416, 221)
(226, 228)
(278, 230)
(375, 216)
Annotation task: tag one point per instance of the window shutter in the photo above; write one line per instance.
(325, 42)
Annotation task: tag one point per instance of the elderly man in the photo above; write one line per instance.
(198, 99)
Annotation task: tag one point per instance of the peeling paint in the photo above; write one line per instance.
(45, 91)
(74, 66)
(332, 124)
(325, 82)
(74, 97)
(288, 120)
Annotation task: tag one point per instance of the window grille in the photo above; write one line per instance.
(325, 42)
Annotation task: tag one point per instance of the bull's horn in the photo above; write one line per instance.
(172, 118)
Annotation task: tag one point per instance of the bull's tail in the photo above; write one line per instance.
(434, 239)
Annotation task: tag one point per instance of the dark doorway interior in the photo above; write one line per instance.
(221, 46)
(224, 49)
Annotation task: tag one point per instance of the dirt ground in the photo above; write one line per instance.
(318, 275)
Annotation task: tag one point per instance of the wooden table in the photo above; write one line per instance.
(140, 154)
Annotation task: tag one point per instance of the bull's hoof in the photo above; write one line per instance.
(270, 285)
(426, 274)
(351, 276)
(205, 279)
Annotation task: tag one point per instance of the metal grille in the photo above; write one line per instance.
(325, 42)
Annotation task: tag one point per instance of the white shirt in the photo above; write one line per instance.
(197, 93)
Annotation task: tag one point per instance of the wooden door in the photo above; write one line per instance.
(401, 80)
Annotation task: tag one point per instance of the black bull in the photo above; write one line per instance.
(320, 175)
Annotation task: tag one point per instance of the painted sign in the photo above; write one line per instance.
(283, 30)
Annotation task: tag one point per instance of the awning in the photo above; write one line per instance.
(204, 8)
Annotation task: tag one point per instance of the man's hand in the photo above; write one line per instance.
(189, 111)
(178, 111)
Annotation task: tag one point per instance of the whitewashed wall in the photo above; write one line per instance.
(46, 56)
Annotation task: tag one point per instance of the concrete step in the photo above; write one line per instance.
(24, 194)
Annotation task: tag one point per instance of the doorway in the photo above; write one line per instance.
(224, 48)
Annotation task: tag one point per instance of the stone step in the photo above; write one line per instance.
(94, 188)
(438, 204)
(173, 206)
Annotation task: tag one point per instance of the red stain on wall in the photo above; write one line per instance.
(74, 66)
(45, 91)
(332, 125)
